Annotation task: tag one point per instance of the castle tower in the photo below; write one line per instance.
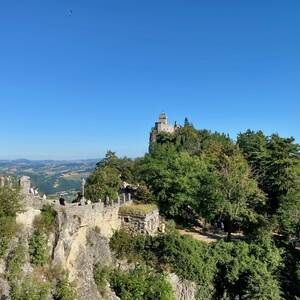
(161, 126)
(24, 183)
(163, 119)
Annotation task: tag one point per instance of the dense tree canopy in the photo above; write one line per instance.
(274, 162)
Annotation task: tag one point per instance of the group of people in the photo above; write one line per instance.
(79, 199)
(35, 191)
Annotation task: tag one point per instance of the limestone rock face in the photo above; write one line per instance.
(4, 289)
(2, 266)
(184, 289)
(96, 252)
(80, 244)
(26, 218)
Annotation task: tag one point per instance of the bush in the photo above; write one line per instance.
(8, 228)
(46, 220)
(127, 246)
(29, 289)
(9, 206)
(55, 272)
(235, 269)
(141, 283)
(101, 277)
(65, 290)
(38, 249)
(15, 262)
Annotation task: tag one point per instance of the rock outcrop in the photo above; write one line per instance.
(184, 289)
(79, 242)
(82, 237)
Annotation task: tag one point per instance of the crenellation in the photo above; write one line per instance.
(162, 126)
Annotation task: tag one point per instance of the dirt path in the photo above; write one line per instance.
(208, 237)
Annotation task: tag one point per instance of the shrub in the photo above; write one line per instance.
(9, 206)
(101, 277)
(65, 290)
(8, 228)
(141, 283)
(55, 272)
(46, 220)
(38, 249)
(235, 269)
(138, 248)
(29, 289)
(15, 262)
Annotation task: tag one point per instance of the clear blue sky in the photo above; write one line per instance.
(80, 77)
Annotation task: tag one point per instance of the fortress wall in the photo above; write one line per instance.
(92, 215)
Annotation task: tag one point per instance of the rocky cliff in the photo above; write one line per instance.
(78, 241)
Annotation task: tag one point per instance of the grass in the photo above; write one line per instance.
(137, 209)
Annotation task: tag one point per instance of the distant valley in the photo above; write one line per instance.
(52, 177)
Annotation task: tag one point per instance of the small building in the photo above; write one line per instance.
(139, 218)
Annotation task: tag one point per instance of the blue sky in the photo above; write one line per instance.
(80, 77)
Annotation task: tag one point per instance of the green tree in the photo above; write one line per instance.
(236, 194)
(125, 166)
(103, 182)
(143, 193)
(281, 169)
(247, 271)
(289, 215)
(174, 179)
(274, 162)
(106, 180)
(254, 147)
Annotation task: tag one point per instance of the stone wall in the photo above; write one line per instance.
(144, 224)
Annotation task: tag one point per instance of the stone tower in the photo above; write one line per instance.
(161, 126)
(25, 184)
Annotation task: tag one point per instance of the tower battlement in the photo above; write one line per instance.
(162, 126)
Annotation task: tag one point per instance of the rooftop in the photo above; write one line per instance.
(137, 209)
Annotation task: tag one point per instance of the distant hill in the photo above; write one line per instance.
(52, 177)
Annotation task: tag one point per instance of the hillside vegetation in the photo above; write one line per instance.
(197, 179)
(203, 178)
